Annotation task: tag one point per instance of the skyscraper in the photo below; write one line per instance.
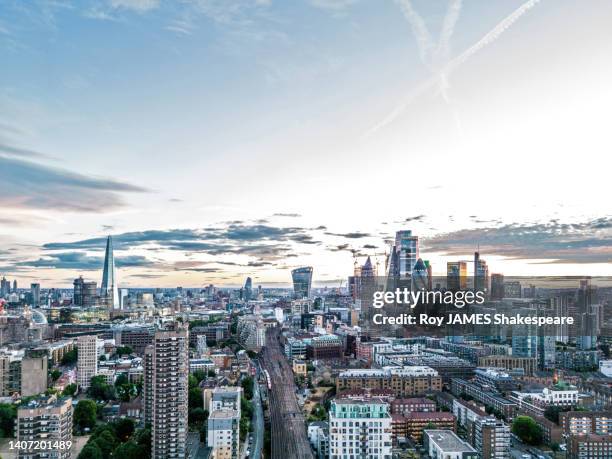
(87, 362)
(109, 289)
(35, 291)
(403, 257)
(5, 287)
(497, 286)
(302, 281)
(169, 358)
(481, 274)
(248, 289)
(420, 276)
(456, 275)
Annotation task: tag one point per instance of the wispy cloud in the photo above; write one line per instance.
(29, 185)
(555, 242)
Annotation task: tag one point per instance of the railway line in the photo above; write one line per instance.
(288, 429)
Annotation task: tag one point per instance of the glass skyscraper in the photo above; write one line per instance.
(302, 281)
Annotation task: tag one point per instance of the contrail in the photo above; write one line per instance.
(419, 29)
(448, 28)
(445, 72)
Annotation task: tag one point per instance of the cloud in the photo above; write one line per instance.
(351, 235)
(264, 243)
(82, 261)
(30, 185)
(292, 215)
(139, 6)
(12, 150)
(334, 5)
(553, 242)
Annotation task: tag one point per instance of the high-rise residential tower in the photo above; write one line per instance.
(167, 371)
(302, 281)
(109, 289)
(87, 361)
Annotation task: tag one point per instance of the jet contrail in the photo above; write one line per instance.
(445, 72)
(493, 35)
(448, 28)
(419, 29)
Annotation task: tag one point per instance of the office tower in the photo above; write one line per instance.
(5, 287)
(302, 282)
(456, 275)
(15, 286)
(513, 289)
(124, 294)
(403, 257)
(248, 289)
(169, 362)
(84, 292)
(109, 289)
(481, 274)
(87, 361)
(35, 291)
(47, 419)
(420, 276)
(492, 438)
(360, 428)
(223, 434)
(497, 287)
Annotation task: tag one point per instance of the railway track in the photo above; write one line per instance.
(288, 429)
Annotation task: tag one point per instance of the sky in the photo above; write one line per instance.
(219, 139)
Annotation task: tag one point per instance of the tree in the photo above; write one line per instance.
(85, 414)
(106, 441)
(124, 428)
(129, 450)
(55, 374)
(143, 438)
(527, 430)
(124, 350)
(99, 389)
(552, 413)
(70, 357)
(90, 451)
(247, 384)
(8, 413)
(69, 390)
(197, 416)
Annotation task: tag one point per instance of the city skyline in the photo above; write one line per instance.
(273, 102)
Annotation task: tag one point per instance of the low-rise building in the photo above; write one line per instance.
(445, 444)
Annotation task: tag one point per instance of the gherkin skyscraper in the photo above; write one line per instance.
(109, 290)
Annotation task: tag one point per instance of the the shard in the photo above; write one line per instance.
(109, 290)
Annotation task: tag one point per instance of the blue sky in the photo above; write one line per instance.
(132, 116)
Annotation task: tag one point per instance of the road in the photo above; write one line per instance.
(288, 427)
(258, 424)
